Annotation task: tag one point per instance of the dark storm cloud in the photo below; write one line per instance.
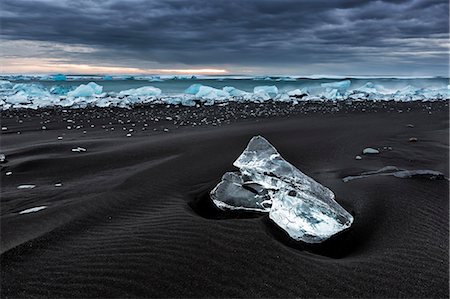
(253, 33)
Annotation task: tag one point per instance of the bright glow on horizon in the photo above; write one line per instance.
(49, 66)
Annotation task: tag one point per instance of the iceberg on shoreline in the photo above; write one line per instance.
(35, 95)
(87, 90)
(298, 204)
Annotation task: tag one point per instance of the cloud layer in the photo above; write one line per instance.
(261, 36)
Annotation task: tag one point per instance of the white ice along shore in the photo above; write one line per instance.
(298, 204)
(35, 95)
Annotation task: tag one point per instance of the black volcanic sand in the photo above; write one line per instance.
(133, 217)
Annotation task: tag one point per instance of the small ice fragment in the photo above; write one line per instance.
(4, 128)
(26, 186)
(8, 173)
(60, 138)
(128, 135)
(79, 149)
(58, 185)
(2, 158)
(369, 150)
(32, 210)
(358, 158)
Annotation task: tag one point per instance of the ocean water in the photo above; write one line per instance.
(124, 91)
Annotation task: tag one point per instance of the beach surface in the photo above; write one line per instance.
(130, 216)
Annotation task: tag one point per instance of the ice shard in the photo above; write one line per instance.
(232, 193)
(302, 207)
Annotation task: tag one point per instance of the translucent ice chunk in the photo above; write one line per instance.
(302, 207)
(193, 89)
(5, 84)
(270, 90)
(60, 77)
(210, 92)
(340, 86)
(87, 90)
(232, 193)
(234, 92)
(141, 91)
(30, 90)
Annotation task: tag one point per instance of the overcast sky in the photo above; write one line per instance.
(292, 37)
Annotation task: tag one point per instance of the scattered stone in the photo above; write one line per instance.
(358, 158)
(8, 173)
(413, 139)
(58, 185)
(2, 158)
